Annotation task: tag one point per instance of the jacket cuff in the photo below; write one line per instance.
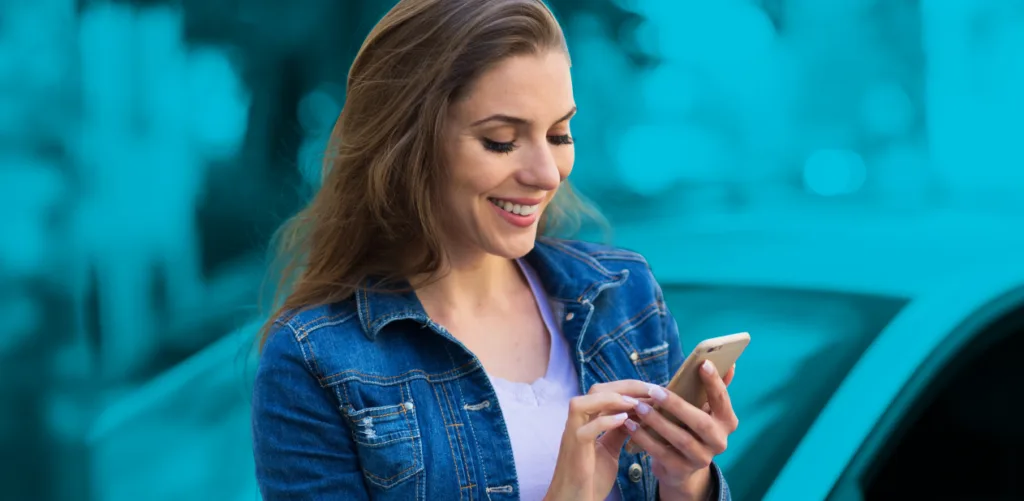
(721, 489)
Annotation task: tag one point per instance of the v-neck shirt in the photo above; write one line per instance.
(535, 413)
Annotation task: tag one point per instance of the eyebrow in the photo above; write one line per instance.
(518, 121)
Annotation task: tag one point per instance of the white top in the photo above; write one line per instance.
(535, 412)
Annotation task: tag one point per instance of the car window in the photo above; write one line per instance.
(803, 342)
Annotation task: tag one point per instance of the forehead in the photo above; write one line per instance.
(533, 86)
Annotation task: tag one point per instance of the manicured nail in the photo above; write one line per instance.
(708, 367)
(631, 425)
(630, 400)
(656, 392)
(620, 416)
(642, 408)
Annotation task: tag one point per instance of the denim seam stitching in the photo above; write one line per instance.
(654, 351)
(626, 326)
(583, 258)
(442, 404)
(450, 402)
(619, 256)
(653, 357)
(324, 321)
(450, 429)
(401, 378)
(597, 362)
(471, 435)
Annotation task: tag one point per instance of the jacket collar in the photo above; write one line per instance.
(567, 274)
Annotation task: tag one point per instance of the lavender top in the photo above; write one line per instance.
(535, 412)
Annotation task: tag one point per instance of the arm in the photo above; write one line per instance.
(302, 446)
(710, 483)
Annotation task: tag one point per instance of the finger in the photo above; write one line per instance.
(727, 379)
(614, 439)
(648, 400)
(703, 425)
(631, 387)
(664, 453)
(688, 443)
(718, 396)
(601, 424)
(583, 407)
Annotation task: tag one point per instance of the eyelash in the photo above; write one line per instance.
(506, 148)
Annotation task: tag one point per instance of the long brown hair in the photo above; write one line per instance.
(375, 215)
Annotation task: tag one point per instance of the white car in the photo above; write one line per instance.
(880, 361)
(882, 354)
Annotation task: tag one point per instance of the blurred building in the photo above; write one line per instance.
(149, 148)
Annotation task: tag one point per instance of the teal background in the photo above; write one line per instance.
(840, 178)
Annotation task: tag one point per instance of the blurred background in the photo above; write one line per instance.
(841, 178)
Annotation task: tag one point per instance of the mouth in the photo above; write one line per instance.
(518, 209)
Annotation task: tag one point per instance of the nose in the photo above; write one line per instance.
(540, 170)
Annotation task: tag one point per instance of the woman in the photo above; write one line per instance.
(430, 345)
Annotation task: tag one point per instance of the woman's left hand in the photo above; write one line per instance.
(682, 465)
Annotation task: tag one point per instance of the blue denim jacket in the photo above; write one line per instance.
(370, 399)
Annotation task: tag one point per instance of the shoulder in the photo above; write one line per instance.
(307, 335)
(603, 253)
(612, 260)
(306, 322)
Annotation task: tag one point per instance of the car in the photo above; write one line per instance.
(876, 353)
(882, 353)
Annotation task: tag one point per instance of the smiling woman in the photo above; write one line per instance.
(430, 342)
(509, 165)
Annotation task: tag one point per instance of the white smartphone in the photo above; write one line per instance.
(723, 351)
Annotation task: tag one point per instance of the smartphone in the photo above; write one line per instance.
(723, 351)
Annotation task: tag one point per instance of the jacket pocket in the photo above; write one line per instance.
(652, 364)
(388, 441)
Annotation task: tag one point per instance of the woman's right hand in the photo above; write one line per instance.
(588, 458)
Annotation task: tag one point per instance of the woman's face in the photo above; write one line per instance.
(508, 148)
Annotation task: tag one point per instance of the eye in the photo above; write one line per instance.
(560, 140)
(498, 147)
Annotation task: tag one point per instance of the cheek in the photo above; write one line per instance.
(471, 170)
(565, 161)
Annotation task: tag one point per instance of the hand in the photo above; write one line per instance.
(588, 458)
(682, 464)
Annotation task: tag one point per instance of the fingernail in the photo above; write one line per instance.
(708, 367)
(631, 425)
(656, 392)
(620, 416)
(642, 408)
(630, 400)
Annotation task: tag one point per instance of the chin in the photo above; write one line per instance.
(513, 247)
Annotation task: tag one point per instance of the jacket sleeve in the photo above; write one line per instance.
(675, 360)
(302, 446)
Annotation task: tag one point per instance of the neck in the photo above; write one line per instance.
(470, 283)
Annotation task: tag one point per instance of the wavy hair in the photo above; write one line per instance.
(374, 215)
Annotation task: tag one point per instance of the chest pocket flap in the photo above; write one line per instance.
(388, 442)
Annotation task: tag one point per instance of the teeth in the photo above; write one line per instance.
(521, 210)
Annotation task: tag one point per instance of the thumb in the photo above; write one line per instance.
(614, 439)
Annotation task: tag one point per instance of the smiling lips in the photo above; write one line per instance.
(521, 212)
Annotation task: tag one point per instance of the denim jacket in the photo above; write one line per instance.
(370, 399)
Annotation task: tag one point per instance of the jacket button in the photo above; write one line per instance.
(570, 316)
(634, 356)
(636, 472)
